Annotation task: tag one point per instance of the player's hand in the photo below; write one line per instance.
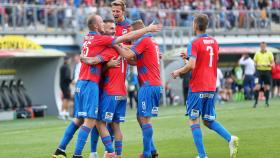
(114, 62)
(175, 74)
(183, 56)
(154, 27)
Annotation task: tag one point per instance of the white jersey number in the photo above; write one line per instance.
(85, 49)
(211, 54)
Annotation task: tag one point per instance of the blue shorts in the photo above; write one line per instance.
(201, 104)
(86, 99)
(148, 101)
(112, 108)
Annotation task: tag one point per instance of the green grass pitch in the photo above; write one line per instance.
(258, 130)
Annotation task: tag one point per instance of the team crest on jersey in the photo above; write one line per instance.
(124, 31)
(109, 116)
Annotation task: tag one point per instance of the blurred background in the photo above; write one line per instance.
(40, 44)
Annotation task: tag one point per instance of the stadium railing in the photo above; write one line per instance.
(54, 19)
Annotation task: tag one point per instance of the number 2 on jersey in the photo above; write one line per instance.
(211, 54)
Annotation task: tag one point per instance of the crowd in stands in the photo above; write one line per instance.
(226, 14)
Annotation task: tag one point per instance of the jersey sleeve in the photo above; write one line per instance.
(192, 50)
(104, 40)
(107, 55)
(139, 46)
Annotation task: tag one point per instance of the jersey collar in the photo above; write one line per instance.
(124, 22)
(148, 35)
(93, 33)
(202, 35)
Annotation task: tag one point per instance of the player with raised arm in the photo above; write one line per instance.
(87, 90)
(122, 26)
(203, 60)
(147, 53)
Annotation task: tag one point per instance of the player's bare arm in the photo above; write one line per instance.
(186, 68)
(133, 35)
(91, 60)
(125, 52)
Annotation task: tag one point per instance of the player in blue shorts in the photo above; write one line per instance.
(203, 61)
(87, 90)
(146, 51)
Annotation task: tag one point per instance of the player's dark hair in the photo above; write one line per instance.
(119, 3)
(202, 22)
(263, 42)
(108, 21)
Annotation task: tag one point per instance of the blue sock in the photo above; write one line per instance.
(118, 147)
(107, 141)
(81, 140)
(68, 135)
(94, 139)
(153, 148)
(216, 126)
(147, 131)
(197, 137)
(110, 130)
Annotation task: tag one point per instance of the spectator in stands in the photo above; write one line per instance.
(249, 79)
(65, 81)
(276, 78)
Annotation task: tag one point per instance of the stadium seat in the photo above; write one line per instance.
(24, 99)
(1, 101)
(7, 96)
(37, 109)
(14, 94)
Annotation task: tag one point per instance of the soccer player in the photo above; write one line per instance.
(111, 77)
(87, 90)
(203, 59)
(147, 53)
(264, 61)
(123, 24)
(109, 29)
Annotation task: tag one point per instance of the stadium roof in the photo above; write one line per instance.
(40, 53)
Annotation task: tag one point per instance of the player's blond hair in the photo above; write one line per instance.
(119, 3)
(138, 24)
